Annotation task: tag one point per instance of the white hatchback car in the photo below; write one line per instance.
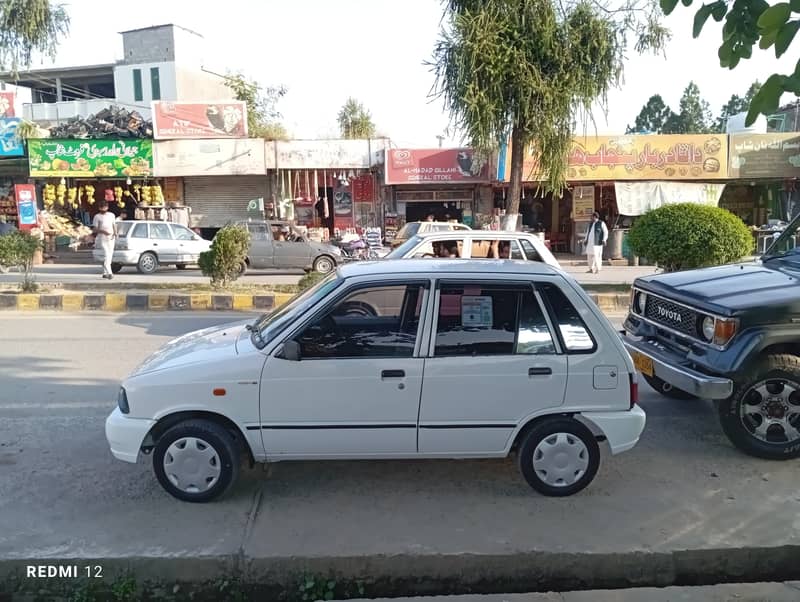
(476, 244)
(391, 359)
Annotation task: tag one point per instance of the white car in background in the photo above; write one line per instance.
(150, 244)
(391, 360)
(475, 244)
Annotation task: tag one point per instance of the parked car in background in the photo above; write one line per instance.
(279, 245)
(150, 244)
(391, 360)
(475, 244)
(412, 228)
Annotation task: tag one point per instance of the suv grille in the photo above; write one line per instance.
(674, 316)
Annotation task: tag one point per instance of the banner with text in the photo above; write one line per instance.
(765, 156)
(645, 157)
(90, 158)
(637, 198)
(227, 119)
(423, 166)
(10, 144)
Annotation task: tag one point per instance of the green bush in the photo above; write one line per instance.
(223, 263)
(686, 235)
(310, 280)
(18, 250)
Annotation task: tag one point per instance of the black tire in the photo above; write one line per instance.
(324, 264)
(180, 266)
(212, 434)
(775, 372)
(116, 268)
(574, 431)
(148, 263)
(666, 389)
(243, 268)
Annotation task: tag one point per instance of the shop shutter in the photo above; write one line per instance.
(218, 200)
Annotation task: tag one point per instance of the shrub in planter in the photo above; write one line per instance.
(18, 250)
(686, 235)
(224, 262)
(310, 280)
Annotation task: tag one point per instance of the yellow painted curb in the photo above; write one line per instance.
(27, 302)
(158, 301)
(282, 298)
(116, 302)
(201, 300)
(72, 302)
(243, 302)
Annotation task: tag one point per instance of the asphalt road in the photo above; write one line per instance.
(62, 493)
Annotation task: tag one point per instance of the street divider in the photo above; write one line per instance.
(77, 301)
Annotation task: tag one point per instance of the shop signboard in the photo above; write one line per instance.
(637, 198)
(10, 144)
(765, 155)
(436, 165)
(90, 158)
(363, 189)
(219, 157)
(27, 214)
(192, 120)
(325, 154)
(7, 104)
(582, 202)
(640, 157)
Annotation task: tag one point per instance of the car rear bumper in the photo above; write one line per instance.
(125, 435)
(670, 367)
(621, 429)
(122, 257)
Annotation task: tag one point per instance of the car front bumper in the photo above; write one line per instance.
(671, 368)
(125, 435)
(621, 429)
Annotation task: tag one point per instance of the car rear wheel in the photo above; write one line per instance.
(324, 264)
(666, 389)
(559, 457)
(148, 263)
(196, 461)
(180, 266)
(762, 416)
(116, 268)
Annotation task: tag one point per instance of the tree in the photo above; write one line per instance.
(735, 105)
(747, 23)
(355, 121)
(694, 116)
(263, 118)
(531, 68)
(652, 118)
(28, 26)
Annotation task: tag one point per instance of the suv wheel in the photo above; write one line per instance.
(762, 416)
(666, 389)
(324, 264)
(196, 460)
(148, 263)
(559, 457)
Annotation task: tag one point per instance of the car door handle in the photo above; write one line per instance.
(393, 374)
(155, 244)
(540, 371)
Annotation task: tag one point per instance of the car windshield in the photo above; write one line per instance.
(408, 230)
(401, 251)
(266, 327)
(785, 244)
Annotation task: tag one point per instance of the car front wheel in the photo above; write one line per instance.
(196, 461)
(559, 457)
(762, 416)
(116, 268)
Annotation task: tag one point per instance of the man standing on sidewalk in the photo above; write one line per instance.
(596, 238)
(105, 232)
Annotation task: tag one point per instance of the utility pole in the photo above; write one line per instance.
(440, 138)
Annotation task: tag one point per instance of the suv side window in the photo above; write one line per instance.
(530, 251)
(139, 231)
(573, 330)
(160, 231)
(490, 319)
(378, 321)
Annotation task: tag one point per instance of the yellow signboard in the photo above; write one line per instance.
(640, 157)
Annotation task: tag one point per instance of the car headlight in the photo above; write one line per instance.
(708, 328)
(122, 401)
(641, 303)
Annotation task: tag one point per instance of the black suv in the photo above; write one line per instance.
(731, 334)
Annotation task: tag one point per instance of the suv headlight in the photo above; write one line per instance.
(639, 302)
(707, 328)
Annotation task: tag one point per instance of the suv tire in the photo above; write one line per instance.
(745, 411)
(559, 456)
(666, 389)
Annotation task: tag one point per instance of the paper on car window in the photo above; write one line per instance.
(476, 311)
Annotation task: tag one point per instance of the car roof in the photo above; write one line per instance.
(432, 267)
(147, 221)
(473, 233)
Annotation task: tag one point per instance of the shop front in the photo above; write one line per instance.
(13, 167)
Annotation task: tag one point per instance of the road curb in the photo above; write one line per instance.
(88, 301)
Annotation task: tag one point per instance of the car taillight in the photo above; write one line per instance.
(634, 390)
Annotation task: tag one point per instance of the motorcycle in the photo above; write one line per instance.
(356, 250)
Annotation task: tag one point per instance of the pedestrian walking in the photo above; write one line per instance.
(596, 238)
(104, 227)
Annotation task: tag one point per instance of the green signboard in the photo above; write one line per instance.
(90, 158)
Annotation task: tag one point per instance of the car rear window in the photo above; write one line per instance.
(123, 228)
(574, 333)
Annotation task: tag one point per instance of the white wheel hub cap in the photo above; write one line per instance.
(560, 459)
(192, 465)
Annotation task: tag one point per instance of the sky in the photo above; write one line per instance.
(324, 51)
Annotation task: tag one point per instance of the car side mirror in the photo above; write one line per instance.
(291, 351)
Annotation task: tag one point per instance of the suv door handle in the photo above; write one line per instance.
(393, 374)
(540, 371)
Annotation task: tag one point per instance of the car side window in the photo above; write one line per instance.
(447, 248)
(490, 319)
(530, 251)
(160, 231)
(573, 330)
(182, 233)
(379, 321)
(257, 231)
(515, 252)
(424, 250)
(140, 231)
